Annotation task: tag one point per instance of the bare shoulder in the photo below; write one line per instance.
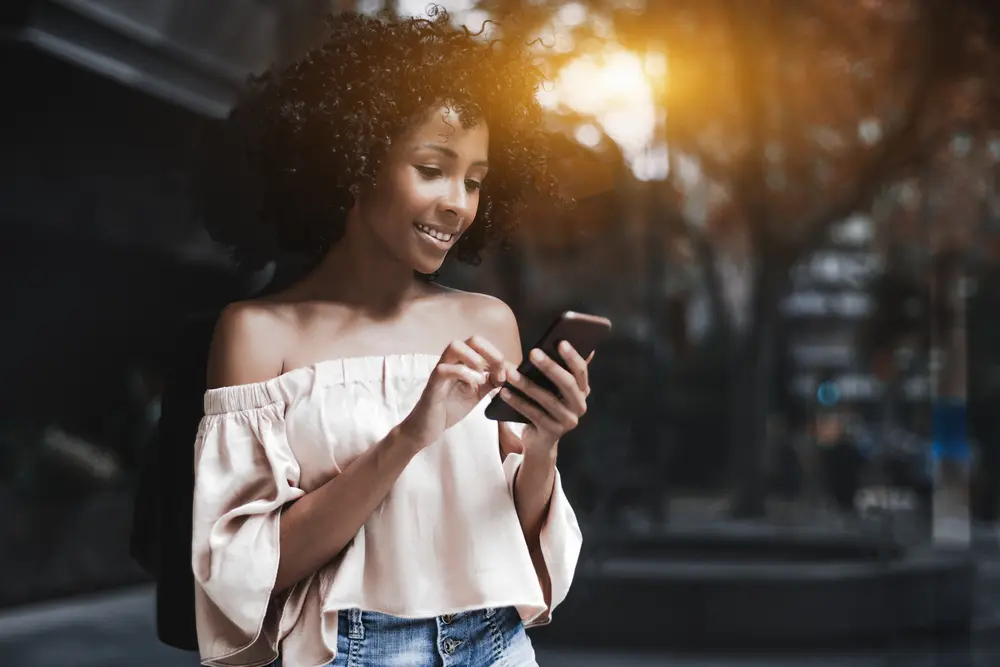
(493, 319)
(249, 344)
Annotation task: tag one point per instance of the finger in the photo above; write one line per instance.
(590, 357)
(459, 352)
(486, 349)
(565, 382)
(493, 356)
(537, 416)
(462, 373)
(577, 364)
(566, 413)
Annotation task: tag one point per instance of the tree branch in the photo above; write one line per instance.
(887, 154)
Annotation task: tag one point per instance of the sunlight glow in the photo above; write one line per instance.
(571, 14)
(613, 88)
(588, 135)
(462, 12)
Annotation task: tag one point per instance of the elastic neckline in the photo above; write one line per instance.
(235, 398)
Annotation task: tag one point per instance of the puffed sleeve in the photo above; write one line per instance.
(245, 473)
(560, 538)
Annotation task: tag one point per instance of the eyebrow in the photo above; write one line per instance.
(444, 150)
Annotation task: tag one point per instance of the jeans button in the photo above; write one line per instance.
(447, 618)
(450, 645)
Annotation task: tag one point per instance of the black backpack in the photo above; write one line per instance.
(161, 520)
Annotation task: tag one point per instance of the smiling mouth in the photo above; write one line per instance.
(441, 237)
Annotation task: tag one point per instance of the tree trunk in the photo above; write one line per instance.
(753, 364)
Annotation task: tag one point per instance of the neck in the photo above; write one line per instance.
(358, 270)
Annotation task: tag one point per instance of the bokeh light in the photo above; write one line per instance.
(613, 88)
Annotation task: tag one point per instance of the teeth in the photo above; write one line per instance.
(433, 233)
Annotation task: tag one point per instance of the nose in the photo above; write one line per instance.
(458, 201)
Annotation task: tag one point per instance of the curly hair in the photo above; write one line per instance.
(304, 137)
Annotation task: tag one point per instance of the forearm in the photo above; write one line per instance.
(533, 487)
(318, 526)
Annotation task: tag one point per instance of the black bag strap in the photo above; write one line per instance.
(161, 525)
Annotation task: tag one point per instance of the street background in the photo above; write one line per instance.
(117, 630)
(791, 211)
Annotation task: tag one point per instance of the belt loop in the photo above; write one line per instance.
(357, 627)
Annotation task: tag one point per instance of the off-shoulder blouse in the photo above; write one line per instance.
(445, 540)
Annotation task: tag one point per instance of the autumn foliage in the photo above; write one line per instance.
(805, 110)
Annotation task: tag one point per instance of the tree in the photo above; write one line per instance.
(801, 112)
(802, 135)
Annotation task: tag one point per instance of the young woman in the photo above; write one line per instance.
(353, 505)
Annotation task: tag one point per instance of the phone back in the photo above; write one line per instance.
(583, 331)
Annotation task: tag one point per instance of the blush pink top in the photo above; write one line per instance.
(445, 540)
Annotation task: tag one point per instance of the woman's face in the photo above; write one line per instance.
(427, 190)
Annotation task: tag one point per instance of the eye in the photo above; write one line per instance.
(428, 172)
(472, 186)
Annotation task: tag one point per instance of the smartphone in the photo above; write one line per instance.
(584, 332)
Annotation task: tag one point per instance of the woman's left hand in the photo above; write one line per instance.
(560, 411)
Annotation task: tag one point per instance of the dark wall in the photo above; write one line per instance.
(101, 255)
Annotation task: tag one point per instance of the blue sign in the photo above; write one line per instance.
(828, 393)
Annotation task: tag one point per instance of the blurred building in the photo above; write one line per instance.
(103, 253)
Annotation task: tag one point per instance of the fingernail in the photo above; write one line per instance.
(537, 355)
(505, 394)
(514, 375)
(564, 346)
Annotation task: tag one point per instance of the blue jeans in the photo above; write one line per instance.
(482, 638)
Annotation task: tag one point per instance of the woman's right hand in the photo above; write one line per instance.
(464, 375)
